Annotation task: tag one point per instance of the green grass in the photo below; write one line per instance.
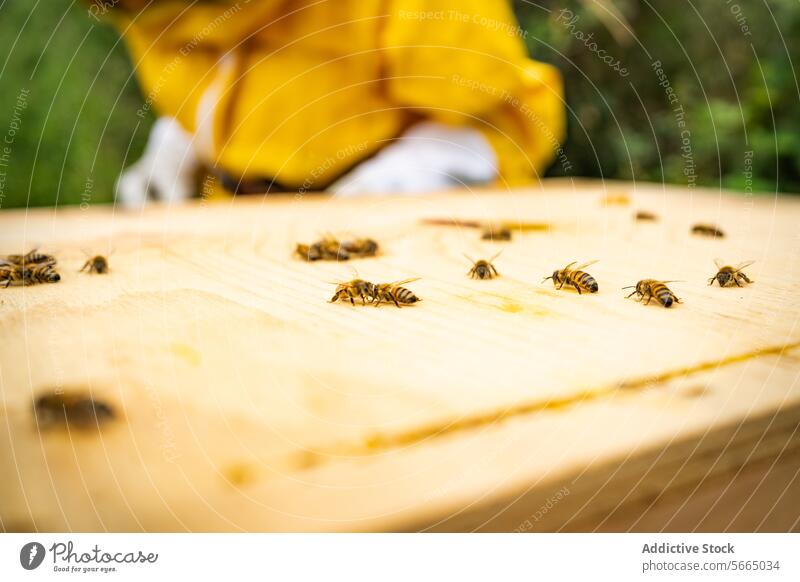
(79, 120)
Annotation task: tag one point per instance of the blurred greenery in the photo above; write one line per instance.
(69, 98)
(731, 63)
(79, 119)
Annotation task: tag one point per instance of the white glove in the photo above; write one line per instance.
(167, 169)
(429, 156)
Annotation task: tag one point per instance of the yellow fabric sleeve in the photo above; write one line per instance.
(300, 91)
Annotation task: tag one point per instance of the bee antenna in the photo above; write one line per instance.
(468, 258)
(629, 287)
(497, 255)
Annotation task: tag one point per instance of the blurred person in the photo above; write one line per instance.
(349, 96)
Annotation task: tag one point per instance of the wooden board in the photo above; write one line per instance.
(247, 402)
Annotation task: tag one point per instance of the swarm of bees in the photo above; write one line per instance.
(649, 288)
(483, 269)
(331, 249)
(375, 294)
(574, 277)
(34, 267)
(728, 276)
(70, 410)
(28, 269)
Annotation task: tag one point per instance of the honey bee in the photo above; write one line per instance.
(96, 264)
(574, 276)
(33, 257)
(22, 275)
(11, 274)
(361, 247)
(44, 273)
(395, 293)
(497, 233)
(651, 288)
(355, 288)
(644, 215)
(727, 275)
(483, 269)
(707, 230)
(77, 410)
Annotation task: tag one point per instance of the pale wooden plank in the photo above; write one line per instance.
(228, 362)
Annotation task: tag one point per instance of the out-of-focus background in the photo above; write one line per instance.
(69, 99)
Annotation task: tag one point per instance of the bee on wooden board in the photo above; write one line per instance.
(644, 215)
(580, 280)
(44, 273)
(95, 264)
(33, 257)
(707, 230)
(396, 293)
(649, 288)
(483, 269)
(76, 410)
(728, 276)
(500, 233)
(356, 288)
(361, 247)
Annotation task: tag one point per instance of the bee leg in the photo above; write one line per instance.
(496, 274)
(561, 285)
(649, 297)
(577, 287)
(736, 280)
(395, 300)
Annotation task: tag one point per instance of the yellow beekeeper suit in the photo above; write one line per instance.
(302, 90)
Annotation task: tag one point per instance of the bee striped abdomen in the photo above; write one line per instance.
(663, 294)
(585, 281)
(404, 295)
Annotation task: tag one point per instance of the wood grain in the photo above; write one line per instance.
(248, 402)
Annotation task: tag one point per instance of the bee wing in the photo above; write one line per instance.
(495, 256)
(584, 265)
(673, 281)
(403, 282)
(743, 265)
